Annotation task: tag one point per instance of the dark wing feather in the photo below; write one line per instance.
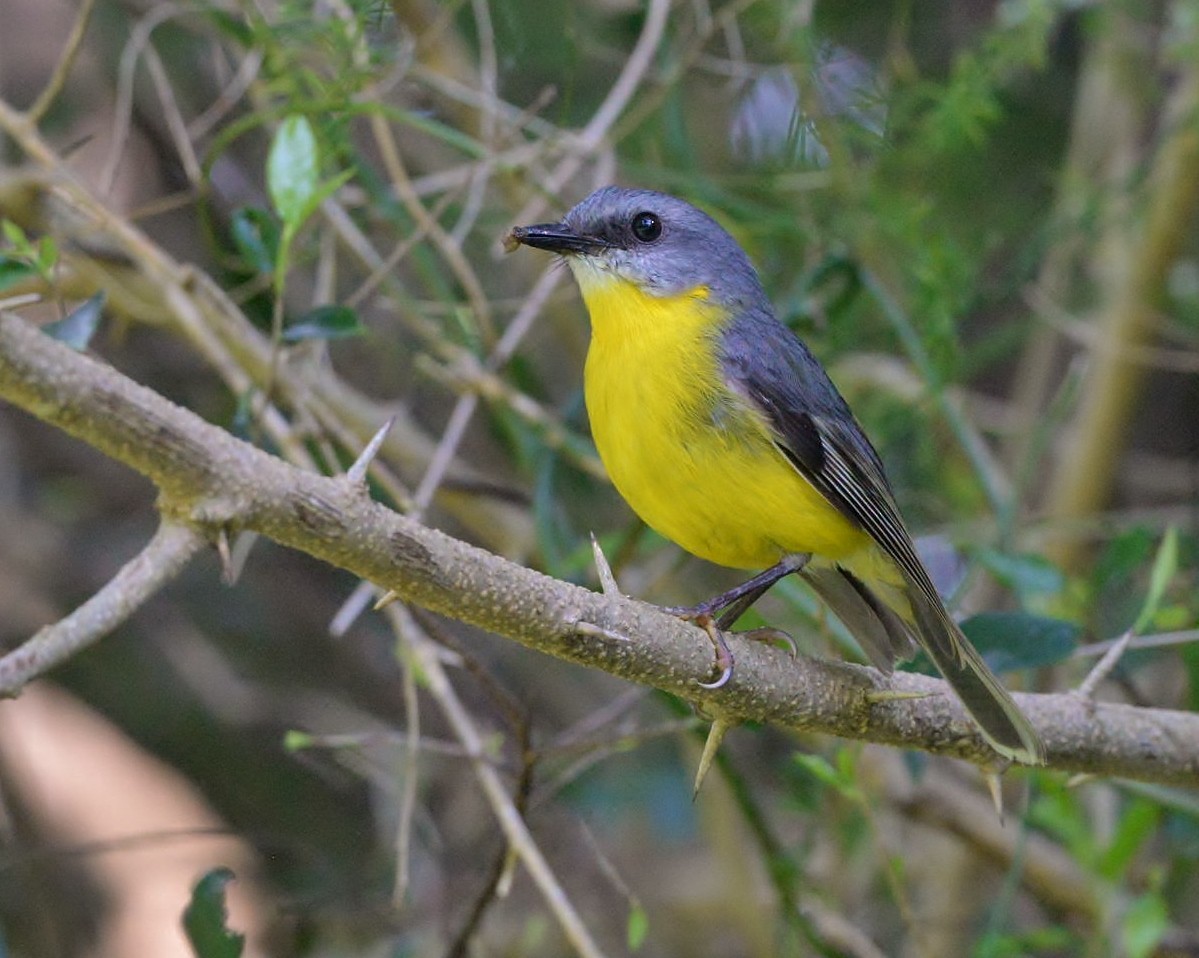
(813, 427)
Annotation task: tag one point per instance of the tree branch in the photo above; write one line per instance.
(211, 480)
(1085, 474)
(158, 563)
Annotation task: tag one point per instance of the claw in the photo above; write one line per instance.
(724, 655)
(720, 682)
(772, 636)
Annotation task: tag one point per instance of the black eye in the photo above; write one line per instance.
(646, 226)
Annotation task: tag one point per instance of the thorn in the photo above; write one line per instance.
(995, 787)
(357, 472)
(1103, 668)
(607, 579)
(240, 553)
(593, 631)
(716, 733)
(503, 885)
(24, 299)
(225, 554)
(386, 599)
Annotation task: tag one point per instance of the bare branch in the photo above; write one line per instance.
(100, 250)
(211, 479)
(511, 821)
(1086, 471)
(62, 69)
(158, 563)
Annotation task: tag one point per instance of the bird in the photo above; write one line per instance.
(724, 433)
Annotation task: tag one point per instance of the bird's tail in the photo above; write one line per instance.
(888, 621)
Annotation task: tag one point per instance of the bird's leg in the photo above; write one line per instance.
(740, 597)
(721, 611)
(729, 616)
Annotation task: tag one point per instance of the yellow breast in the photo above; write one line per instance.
(688, 455)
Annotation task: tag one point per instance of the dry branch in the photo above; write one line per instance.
(212, 481)
(149, 571)
(1086, 473)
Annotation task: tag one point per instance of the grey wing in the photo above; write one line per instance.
(814, 429)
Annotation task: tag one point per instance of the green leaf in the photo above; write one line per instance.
(231, 26)
(1057, 811)
(1124, 555)
(1019, 640)
(14, 270)
(77, 328)
(15, 235)
(323, 190)
(637, 928)
(436, 128)
(1184, 801)
(1137, 825)
(1145, 922)
(204, 918)
(293, 169)
(46, 255)
(256, 235)
(1165, 565)
(841, 777)
(325, 322)
(1025, 574)
(819, 768)
(1190, 660)
(1034, 941)
(294, 740)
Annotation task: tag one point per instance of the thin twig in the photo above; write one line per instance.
(1086, 471)
(1161, 640)
(62, 68)
(1103, 668)
(409, 769)
(176, 125)
(513, 825)
(447, 448)
(450, 251)
(464, 408)
(592, 135)
(163, 558)
(123, 109)
(467, 373)
(247, 72)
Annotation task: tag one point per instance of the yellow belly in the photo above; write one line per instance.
(692, 459)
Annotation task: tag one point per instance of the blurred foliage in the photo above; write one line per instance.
(930, 191)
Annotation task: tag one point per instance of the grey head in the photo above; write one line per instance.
(661, 243)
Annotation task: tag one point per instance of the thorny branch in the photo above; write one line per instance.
(210, 480)
(163, 558)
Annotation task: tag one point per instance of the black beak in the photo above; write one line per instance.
(557, 238)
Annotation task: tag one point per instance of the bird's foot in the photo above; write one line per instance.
(724, 655)
(691, 613)
(768, 635)
(723, 665)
